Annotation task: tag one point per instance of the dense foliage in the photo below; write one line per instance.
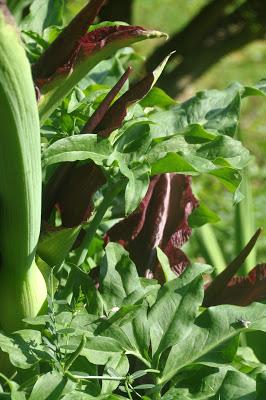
(127, 313)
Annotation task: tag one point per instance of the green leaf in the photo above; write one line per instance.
(141, 332)
(226, 148)
(157, 98)
(43, 13)
(118, 276)
(98, 350)
(120, 317)
(15, 393)
(201, 383)
(120, 364)
(54, 247)
(79, 147)
(211, 329)
(138, 182)
(169, 275)
(261, 385)
(51, 386)
(176, 307)
(216, 110)
(173, 162)
(20, 347)
(237, 386)
(174, 154)
(202, 215)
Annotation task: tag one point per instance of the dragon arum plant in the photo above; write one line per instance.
(23, 289)
(127, 313)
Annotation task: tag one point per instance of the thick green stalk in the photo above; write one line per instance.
(244, 220)
(22, 287)
(210, 248)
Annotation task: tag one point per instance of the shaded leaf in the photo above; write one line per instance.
(54, 247)
(20, 347)
(51, 386)
(42, 14)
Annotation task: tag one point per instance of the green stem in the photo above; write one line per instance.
(76, 353)
(109, 196)
(139, 357)
(96, 377)
(157, 394)
(210, 248)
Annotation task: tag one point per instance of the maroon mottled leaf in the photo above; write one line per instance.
(219, 284)
(160, 220)
(61, 50)
(243, 290)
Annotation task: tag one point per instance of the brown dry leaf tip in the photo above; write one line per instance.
(219, 284)
(60, 51)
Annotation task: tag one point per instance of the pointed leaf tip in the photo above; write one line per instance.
(244, 290)
(99, 114)
(59, 52)
(220, 283)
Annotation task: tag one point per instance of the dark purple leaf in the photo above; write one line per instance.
(99, 114)
(243, 290)
(87, 45)
(62, 49)
(75, 197)
(160, 220)
(116, 114)
(219, 284)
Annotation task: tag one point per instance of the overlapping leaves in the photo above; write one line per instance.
(163, 327)
(193, 138)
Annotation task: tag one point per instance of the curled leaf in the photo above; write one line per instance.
(90, 49)
(160, 220)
